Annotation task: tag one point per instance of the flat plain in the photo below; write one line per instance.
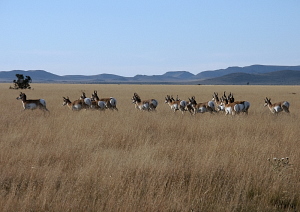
(131, 160)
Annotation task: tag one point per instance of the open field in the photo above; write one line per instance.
(130, 160)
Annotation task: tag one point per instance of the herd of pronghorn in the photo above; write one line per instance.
(226, 104)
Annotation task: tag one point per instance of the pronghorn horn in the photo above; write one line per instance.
(136, 95)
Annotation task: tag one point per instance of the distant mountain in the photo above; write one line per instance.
(36, 75)
(179, 75)
(254, 75)
(254, 69)
(171, 76)
(94, 78)
(287, 77)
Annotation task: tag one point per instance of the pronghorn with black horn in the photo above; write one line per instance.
(176, 104)
(234, 107)
(31, 104)
(277, 107)
(87, 101)
(109, 103)
(218, 102)
(149, 105)
(75, 105)
(96, 103)
(202, 107)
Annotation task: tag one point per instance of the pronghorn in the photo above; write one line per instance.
(176, 104)
(96, 103)
(32, 104)
(234, 107)
(87, 101)
(188, 106)
(149, 105)
(110, 103)
(218, 102)
(75, 105)
(202, 107)
(277, 107)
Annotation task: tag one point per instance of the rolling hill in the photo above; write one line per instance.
(253, 75)
(286, 77)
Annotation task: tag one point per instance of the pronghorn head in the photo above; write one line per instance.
(22, 96)
(136, 98)
(172, 98)
(215, 97)
(192, 100)
(224, 95)
(94, 95)
(224, 101)
(168, 99)
(66, 101)
(230, 98)
(83, 96)
(267, 101)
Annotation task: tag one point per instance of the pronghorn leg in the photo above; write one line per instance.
(286, 109)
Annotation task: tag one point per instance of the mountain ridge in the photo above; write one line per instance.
(254, 74)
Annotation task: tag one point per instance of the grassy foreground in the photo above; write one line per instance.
(129, 160)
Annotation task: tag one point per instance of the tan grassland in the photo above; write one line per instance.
(130, 160)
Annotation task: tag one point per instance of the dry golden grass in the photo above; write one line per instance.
(132, 160)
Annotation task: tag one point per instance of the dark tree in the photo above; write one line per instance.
(21, 82)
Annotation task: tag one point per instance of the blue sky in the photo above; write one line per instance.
(147, 37)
